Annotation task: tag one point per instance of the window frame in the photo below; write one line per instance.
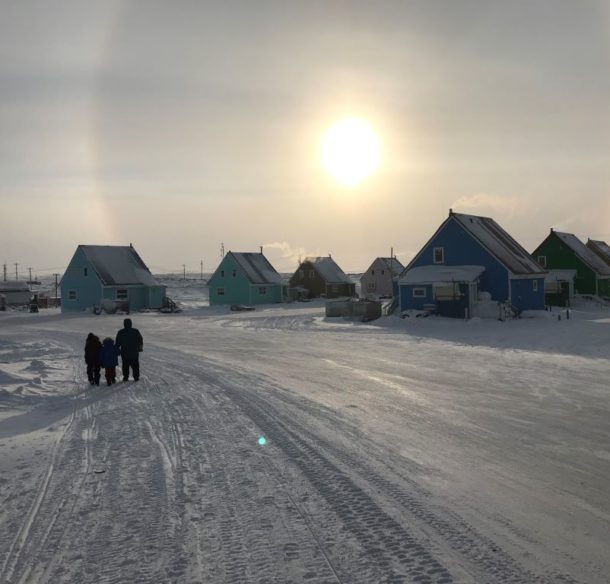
(415, 291)
(220, 291)
(262, 290)
(442, 250)
(534, 285)
(73, 294)
(541, 259)
(121, 296)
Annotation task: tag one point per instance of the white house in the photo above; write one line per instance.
(377, 280)
(15, 292)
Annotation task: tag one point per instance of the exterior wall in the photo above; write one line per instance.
(16, 297)
(460, 249)
(88, 288)
(377, 280)
(603, 287)
(306, 276)
(409, 302)
(156, 295)
(560, 257)
(340, 290)
(237, 287)
(523, 295)
(272, 294)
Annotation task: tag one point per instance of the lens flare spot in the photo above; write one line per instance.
(262, 441)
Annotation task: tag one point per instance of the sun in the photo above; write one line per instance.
(350, 151)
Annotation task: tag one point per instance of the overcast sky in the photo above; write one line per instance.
(179, 126)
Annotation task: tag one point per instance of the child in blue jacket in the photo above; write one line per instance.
(109, 360)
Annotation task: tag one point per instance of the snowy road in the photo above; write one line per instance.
(389, 457)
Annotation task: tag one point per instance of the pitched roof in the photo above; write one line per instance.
(601, 248)
(393, 265)
(118, 265)
(257, 268)
(588, 256)
(499, 243)
(330, 272)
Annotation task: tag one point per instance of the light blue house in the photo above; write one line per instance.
(100, 273)
(246, 278)
(468, 267)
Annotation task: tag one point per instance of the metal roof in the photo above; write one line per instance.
(601, 248)
(393, 265)
(498, 242)
(328, 269)
(257, 268)
(585, 254)
(118, 265)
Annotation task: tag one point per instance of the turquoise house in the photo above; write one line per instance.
(246, 278)
(98, 274)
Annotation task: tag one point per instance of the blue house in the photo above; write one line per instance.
(468, 267)
(246, 278)
(99, 274)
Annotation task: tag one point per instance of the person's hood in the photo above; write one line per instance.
(127, 323)
(108, 341)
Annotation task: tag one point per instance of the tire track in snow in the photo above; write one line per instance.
(482, 555)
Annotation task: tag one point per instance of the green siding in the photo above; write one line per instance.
(560, 257)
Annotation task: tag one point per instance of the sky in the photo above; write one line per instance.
(181, 126)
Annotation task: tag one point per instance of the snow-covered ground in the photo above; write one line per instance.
(422, 450)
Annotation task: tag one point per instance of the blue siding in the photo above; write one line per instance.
(461, 249)
(523, 295)
(409, 302)
(88, 288)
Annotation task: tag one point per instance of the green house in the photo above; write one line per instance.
(564, 251)
(246, 278)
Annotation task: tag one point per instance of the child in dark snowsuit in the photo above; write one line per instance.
(92, 358)
(109, 359)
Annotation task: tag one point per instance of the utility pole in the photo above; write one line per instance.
(261, 249)
(16, 271)
(4, 271)
(184, 271)
(30, 270)
(56, 275)
(222, 250)
(201, 269)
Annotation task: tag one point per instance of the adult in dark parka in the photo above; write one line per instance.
(129, 342)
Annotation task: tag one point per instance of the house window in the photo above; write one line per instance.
(301, 274)
(122, 294)
(85, 271)
(419, 292)
(371, 287)
(222, 273)
(535, 285)
(372, 272)
(312, 274)
(71, 294)
(439, 255)
(234, 273)
(220, 291)
(542, 261)
(262, 290)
